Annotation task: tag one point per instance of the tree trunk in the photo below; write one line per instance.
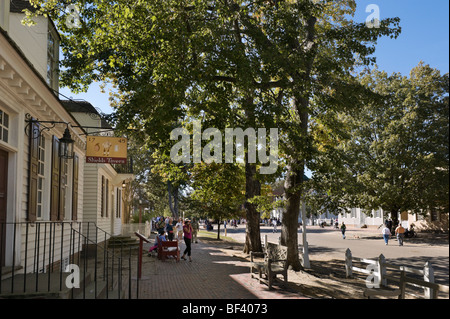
(173, 194)
(289, 226)
(394, 217)
(252, 188)
(296, 164)
(293, 188)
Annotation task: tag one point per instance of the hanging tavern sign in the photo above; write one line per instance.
(106, 149)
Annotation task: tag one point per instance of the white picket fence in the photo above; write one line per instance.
(378, 270)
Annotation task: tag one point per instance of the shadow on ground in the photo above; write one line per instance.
(326, 279)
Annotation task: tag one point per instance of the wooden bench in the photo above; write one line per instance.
(168, 248)
(400, 292)
(274, 263)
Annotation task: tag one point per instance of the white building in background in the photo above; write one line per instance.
(432, 221)
(358, 217)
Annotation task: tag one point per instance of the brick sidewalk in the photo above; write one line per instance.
(212, 274)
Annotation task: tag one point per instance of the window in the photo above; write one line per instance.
(64, 185)
(4, 126)
(107, 198)
(434, 216)
(420, 216)
(41, 177)
(52, 59)
(377, 213)
(76, 164)
(118, 203)
(104, 198)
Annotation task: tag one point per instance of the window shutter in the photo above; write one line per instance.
(33, 171)
(76, 164)
(107, 198)
(62, 188)
(102, 204)
(54, 196)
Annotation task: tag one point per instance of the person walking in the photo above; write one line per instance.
(386, 234)
(179, 229)
(400, 233)
(274, 224)
(343, 229)
(169, 229)
(187, 230)
(225, 228)
(196, 228)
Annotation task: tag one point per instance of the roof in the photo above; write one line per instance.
(17, 49)
(17, 6)
(81, 106)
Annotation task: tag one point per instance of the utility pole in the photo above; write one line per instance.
(306, 263)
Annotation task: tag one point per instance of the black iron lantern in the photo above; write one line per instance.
(66, 145)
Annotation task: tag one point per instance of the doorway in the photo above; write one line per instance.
(3, 201)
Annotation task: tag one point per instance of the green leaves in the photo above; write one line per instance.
(219, 188)
(400, 142)
(232, 63)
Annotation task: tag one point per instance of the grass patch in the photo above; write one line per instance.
(212, 235)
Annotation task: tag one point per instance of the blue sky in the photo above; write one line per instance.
(424, 37)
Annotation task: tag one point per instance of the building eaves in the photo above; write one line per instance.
(32, 68)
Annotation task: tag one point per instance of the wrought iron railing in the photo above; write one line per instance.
(64, 260)
(124, 168)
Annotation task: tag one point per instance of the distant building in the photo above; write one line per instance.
(103, 184)
(432, 221)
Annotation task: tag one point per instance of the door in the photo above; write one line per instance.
(3, 199)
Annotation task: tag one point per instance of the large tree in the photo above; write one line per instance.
(219, 189)
(253, 63)
(399, 150)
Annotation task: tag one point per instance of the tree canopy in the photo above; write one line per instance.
(233, 63)
(399, 152)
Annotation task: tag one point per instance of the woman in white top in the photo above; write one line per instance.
(386, 234)
(179, 228)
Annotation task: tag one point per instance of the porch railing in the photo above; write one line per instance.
(64, 260)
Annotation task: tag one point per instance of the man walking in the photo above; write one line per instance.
(343, 229)
(400, 233)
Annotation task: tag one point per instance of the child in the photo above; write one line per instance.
(161, 237)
